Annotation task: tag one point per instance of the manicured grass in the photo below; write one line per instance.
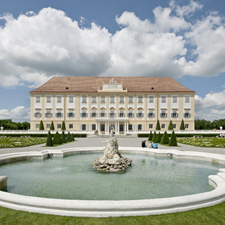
(211, 215)
(15, 142)
(203, 141)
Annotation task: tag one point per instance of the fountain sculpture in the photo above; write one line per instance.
(111, 160)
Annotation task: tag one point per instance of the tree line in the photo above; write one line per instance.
(9, 125)
(209, 125)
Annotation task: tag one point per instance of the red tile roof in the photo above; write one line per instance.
(92, 84)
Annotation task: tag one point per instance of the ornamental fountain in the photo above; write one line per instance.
(111, 160)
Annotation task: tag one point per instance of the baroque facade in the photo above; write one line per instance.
(124, 104)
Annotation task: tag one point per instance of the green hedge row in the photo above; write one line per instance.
(181, 135)
(38, 135)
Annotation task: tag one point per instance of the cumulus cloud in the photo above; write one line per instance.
(36, 46)
(19, 113)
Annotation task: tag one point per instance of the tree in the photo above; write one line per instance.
(41, 126)
(158, 125)
(69, 137)
(57, 139)
(49, 139)
(173, 139)
(63, 126)
(52, 126)
(63, 137)
(158, 137)
(182, 125)
(170, 127)
(150, 136)
(165, 139)
(73, 137)
(154, 138)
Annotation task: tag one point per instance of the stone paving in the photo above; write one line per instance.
(101, 142)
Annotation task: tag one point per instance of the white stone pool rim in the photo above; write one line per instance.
(102, 208)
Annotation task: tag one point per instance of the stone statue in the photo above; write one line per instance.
(111, 160)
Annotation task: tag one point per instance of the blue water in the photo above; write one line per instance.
(73, 177)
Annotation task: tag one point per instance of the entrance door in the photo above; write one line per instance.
(112, 127)
(121, 127)
(102, 128)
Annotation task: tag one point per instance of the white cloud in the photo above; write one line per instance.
(50, 43)
(211, 107)
(20, 113)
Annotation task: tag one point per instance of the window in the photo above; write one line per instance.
(70, 99)
(83, 127)
(187, 115)
(139, 126)
(59, 126)
(38, 99)
(93, 100)
(150, 114)
(48, 99)
(163, 99)
(71, 114)
(71, 126)
(48, 126)
(130, 127)
(84, 99)
(37, 126)
(121, 114)
(84, 114)
(150, 99)
(163, 114)
(102, 99)
(174, 114)
(140, 99)
(174, 126)
(163, 126)
(102, 114)
(59, 114)
(186, 126)
(121, 99)
(187, 99)
(130, 99)
(93, 114)
(130, 114)
(48, 114)
(59, 99)
(121, 127)
(112, 99)
(112, 114)
(174, 99)
(93, 126)
(102, 127)
(140, 114)
(150, 126)
(37, 114)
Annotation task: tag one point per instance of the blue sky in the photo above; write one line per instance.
(183, 39)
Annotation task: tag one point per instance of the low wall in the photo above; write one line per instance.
(90, 208)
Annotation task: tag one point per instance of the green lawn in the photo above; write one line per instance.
(203, 141)
(14, 142)
(208, 216)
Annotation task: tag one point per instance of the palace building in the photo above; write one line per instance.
(124, 104)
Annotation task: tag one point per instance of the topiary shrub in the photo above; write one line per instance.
(158, 125)
(49, 139)
(173, 139)
(41, 126)
(182, 125)
(158, 138)
(63, 126)
(150, 136)
(57, 139)
(170, 127)
(63, 137)
(52, 126)
(69, 137)
(154, 138)
(165, 139)
(73, 137)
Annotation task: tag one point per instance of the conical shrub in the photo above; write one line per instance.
(63, 126)
(165, 139)
(158, 125)
(173, 139)
(52, 126)
(159, 137)
(57, 139)
(49, 139)
(150, 136)
(182, 125)
(170, 127)
(41, 126)
(69, 137)
(154, 138)
(63, 137)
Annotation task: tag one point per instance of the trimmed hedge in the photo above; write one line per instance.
(183, 135)
(38, 135)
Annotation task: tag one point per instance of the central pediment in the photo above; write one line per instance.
(112, 86)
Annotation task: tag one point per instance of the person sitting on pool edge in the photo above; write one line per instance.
(143, 145)
(155, 145)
